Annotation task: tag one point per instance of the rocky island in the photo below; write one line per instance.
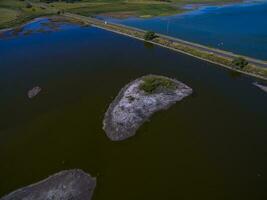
(65, 185)
(34, 92)
(137, 101)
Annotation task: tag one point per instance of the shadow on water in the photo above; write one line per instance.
(149, 45)
(234, 74)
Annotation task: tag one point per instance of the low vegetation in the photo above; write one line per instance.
(152, 83)
(239, 62)
(149, 35)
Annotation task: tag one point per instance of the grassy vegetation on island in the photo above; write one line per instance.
(152, 83)
(15, 12)
(150, 35)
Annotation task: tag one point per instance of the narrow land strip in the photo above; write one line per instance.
(256, 68)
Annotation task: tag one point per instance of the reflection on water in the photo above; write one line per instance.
(210, 146)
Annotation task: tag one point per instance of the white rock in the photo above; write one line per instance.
(132, 107)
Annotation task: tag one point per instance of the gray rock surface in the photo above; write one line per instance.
(65, 185)
(34, 91)
(132, 107)
(262, 87)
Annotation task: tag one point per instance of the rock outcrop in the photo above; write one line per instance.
(262, 87)
(134, 105)
(65, 185)
(34, 92)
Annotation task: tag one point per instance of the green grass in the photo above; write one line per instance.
(120, 8)
(8, 15)
(14, 12)
(152, 83)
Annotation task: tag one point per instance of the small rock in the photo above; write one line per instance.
(34, 91)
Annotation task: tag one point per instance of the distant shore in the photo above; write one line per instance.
(18, 14)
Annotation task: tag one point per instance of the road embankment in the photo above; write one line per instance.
(255, 68)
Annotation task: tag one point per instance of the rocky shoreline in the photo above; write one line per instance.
(133, 106)
(65, 185)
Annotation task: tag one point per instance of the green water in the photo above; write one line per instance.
(210, 146)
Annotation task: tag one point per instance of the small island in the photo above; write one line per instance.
(138, 100)
(34, 92)
(65, 185)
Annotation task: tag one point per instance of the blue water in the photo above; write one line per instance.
(239, 28)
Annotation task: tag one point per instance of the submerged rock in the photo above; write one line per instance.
(262, 87)
(137, 101)
(65, 185)
(34, 91)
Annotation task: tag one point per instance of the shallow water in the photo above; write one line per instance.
(212, 145)
(239, 28)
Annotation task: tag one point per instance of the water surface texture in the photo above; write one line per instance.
(212, 145)
(238, 28)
